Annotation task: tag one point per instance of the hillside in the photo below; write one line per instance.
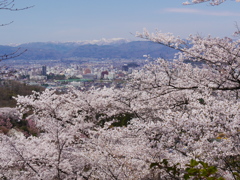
(121, 49)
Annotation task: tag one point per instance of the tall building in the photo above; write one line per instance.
(44, 70)
(104, 73)
(125, 67)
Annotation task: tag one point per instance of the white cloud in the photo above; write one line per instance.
(201, 12)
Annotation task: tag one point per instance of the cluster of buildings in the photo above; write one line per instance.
(62, 76)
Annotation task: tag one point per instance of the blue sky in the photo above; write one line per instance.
(77, 20)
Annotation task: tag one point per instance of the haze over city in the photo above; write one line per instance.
(88, 20)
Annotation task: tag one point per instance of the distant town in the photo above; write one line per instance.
(83, 65)
(60, 75)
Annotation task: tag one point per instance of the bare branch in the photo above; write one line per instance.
(10, 6)
(12, 55)
(6, 5)
(6, 24)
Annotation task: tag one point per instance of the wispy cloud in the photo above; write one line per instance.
(202, 12)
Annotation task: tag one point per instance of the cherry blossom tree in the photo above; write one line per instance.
(169, 113)
(212, 2)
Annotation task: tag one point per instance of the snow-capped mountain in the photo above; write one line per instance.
(103, 41)
(103, 48)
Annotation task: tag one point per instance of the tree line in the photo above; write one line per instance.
(10, 89)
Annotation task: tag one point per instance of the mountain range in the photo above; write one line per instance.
(113, 48)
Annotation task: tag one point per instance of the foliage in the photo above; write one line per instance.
(55, 77)
(203, 172)
(9, 122)
(173, 171)
(194, 170)
(10, 89)
(118, 120)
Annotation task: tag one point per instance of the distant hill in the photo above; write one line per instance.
(94, 49)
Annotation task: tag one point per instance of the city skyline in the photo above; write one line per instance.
(92, 20)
